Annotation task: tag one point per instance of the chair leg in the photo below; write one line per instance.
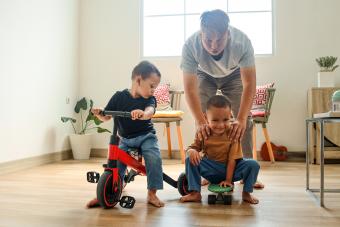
(169, 139)
(254, 142)
(180, 141)
(269, 146)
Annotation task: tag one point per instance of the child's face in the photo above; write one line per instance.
(147, 87)
(218, 119)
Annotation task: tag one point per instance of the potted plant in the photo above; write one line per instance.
(81, 139)
(326, 75)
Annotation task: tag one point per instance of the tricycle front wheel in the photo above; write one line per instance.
(108, 193)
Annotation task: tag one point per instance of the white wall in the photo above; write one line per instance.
(305, 29)
(38, 70)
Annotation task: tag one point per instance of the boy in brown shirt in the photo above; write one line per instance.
(218, 159)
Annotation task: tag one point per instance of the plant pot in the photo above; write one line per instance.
(326, 79)
(81, 146)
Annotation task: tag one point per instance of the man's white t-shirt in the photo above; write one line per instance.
(238, 53)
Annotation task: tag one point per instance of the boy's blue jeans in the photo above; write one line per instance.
(215, 172)
(148, 145)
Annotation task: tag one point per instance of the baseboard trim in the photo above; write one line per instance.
(292, 156)
(102, 153)
(26, 163)
(16, 165)
(98, 153)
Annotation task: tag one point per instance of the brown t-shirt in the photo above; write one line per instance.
(218, 148)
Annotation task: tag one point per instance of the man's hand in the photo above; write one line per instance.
(226, 183)
(202, 130)
(137, 114)
(194, 157)
(237, 129)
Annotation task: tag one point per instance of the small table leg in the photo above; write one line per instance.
(322, 160)
(307, 156)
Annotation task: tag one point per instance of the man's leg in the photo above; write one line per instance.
(207, 88)
(231, 86)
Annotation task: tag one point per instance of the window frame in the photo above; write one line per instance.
(141, 26)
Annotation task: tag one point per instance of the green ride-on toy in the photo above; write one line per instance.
(221, 194)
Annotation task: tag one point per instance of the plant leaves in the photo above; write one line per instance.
(90, 117)
(81, 104)
(336, 66)
(326, 63)
(66, 119)
(96, 120)
(101, 130)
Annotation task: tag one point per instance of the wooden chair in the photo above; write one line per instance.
(173, 115)
(261, 116)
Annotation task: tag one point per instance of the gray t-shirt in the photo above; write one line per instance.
(238, 53)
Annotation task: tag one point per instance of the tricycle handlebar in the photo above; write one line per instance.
(116, 113)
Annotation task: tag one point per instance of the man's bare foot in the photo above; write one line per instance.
(191, 197)
(153, 199)
(257, 185)
(247, 197)
(93, 203)
(204, 182)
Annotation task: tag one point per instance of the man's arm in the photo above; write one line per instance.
(248, 77)
(192, 98)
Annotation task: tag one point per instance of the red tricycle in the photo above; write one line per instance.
(110, 186)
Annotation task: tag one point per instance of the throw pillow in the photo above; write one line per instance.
(260, 97)
(162, 95)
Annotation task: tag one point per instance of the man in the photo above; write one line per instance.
(220, 57)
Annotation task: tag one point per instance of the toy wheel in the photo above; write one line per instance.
(182, 184)
(107, 195)
(211, 199)
(227, 199)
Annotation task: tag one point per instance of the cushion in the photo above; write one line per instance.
(162, 96)
(170, 113)
(260, 97)
(258, 113)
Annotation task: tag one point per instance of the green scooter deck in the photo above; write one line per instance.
(218, 189)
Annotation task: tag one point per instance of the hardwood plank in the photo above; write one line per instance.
(55, 195)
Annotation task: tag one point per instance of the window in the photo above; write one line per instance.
(168, 23)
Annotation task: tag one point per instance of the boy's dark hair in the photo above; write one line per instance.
(145, 68)
(218, 101)
(215, 20)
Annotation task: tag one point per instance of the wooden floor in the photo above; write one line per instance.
(55, 195)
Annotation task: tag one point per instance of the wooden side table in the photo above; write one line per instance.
(321, 120)
(319, 101)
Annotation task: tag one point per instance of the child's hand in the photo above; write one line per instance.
(194, 157)
(137, 114)
(97, 112)
(226, 184)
